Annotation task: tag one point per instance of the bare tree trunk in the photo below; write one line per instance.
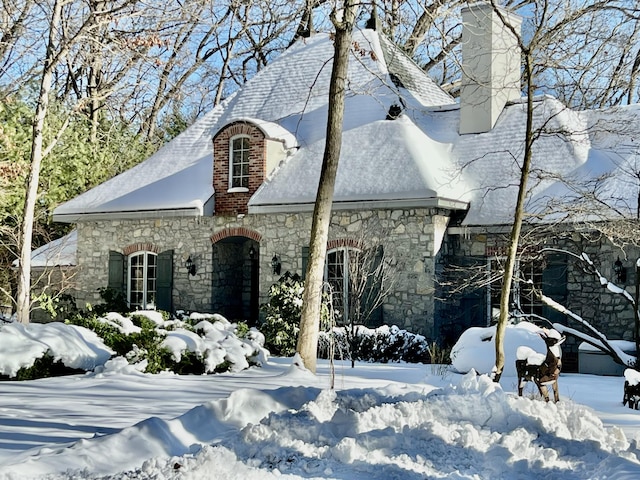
(95, 72)
(312, 296)
(26, 230)
(514, 238)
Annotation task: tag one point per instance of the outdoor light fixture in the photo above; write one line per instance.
(252, 252)
(276, 265)
(620, 271)
(191, 267)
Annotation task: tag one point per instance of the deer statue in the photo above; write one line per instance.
(541, 369)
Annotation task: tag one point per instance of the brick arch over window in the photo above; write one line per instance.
(232, 201)
(345, 243)
(236, 232)
(140, 247)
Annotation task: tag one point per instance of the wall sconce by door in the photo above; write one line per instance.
(276, 265)
(620, 271)
(252, 252)
(191, 267)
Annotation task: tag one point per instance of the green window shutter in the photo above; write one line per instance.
(372, 291)
(116, 271)
(554, 286)
(305, 262)
(164, 282)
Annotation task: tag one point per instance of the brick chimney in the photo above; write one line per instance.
(491, 66)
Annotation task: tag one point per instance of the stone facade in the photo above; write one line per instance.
(409, 236)
(581, 292)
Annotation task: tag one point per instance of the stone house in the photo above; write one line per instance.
(210, 221)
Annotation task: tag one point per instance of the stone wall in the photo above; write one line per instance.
(586, 297)
(406, 234)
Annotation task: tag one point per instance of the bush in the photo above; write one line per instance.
(283, 313)
(43, 367)
(168, 345)
(114, 301)
(135, 346)
(384, 344)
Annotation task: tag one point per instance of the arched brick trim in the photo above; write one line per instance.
(140, 247)
(237, 128)
(236, 232)
(345, 243)
(229, 201)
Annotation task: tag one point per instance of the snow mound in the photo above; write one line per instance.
(76, 347)
(475, 349)
(470, 430)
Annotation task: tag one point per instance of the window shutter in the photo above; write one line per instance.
(164, 281)
(305, 262)
(372, 291)
(554, 286)
(116, 271)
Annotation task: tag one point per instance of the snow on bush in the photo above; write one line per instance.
(213, 343)
(212, 339)
(76, 347)
(475, 349)
(382, 344)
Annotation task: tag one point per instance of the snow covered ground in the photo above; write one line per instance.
(279, 421)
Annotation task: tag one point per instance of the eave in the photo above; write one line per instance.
(443, 203)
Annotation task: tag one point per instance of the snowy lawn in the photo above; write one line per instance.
(382, 422)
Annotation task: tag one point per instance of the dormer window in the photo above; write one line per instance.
(239, 163)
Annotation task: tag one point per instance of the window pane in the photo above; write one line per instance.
(335, 278)
(142, 280)
(240, 162)
(151, 280)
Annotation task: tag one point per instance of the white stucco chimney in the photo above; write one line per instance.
(490, 66)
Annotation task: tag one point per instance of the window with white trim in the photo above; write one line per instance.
(547, 276)
(239, 162)
(337, 274)
(141, 282)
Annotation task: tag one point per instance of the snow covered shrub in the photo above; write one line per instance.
(283, 313)
(43, 367)
(38, 350)
(195, 344)
(383, 344)
(136, 339)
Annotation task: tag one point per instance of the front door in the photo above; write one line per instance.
(235, 289)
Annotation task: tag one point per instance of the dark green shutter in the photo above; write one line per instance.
(164, 282)
(554, 286)
(305, 261)
(116, 271)
(372, 290)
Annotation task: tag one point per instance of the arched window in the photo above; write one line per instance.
(239, 162)
(356, 277)
(142, 276)
(338, 274)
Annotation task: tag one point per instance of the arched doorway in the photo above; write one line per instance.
(235, 289)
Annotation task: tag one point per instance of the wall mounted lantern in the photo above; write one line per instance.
(620, 271)
(191, 267)
(252, 252)
(276, 265)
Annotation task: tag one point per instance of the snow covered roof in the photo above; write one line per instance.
(419, 159)
(573, 152)
(288, 100)
(58, 253)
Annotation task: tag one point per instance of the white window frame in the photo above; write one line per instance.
(530, 273)
(149, 296)
(247, 151)
(346, 262)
